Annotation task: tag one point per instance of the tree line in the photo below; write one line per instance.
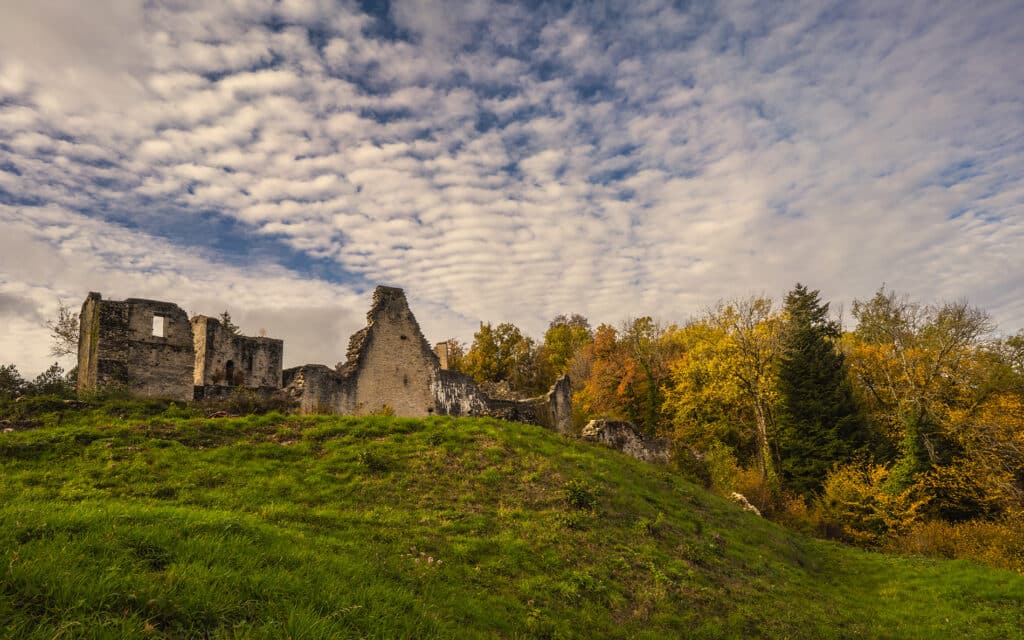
(907, 430)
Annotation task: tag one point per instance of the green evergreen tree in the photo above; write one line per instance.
(229, 326)
(818, 420)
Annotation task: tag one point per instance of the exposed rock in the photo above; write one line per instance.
(624, 436)
(741, 499)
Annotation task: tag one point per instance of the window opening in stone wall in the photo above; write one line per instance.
(229, 370)
(159, 326)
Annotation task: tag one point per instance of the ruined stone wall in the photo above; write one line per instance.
(229, 360)
(120, 347)
(456, 394)
(319, 389)
(625, 437)
(393, 365)
(89, 344)
(390, 364)
(441, 351)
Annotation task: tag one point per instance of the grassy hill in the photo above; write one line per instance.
(114, 525)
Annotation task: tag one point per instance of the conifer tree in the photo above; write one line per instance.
(817, 417)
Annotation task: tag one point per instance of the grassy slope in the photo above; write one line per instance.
(322, 527)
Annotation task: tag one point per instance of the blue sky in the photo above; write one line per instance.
(504, 160)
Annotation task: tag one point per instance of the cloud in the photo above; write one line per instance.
(511, 162)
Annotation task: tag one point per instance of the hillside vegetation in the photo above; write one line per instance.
(139, 520)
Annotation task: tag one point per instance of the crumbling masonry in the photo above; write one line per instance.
(152, 349)
(391, 367)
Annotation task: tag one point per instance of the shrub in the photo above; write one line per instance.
(372, 461)
(691, 465)
(752, 486)
(857, 504)
(999, 544)
(247, 402)
(579, 495)
(723, 469)
(645, 527)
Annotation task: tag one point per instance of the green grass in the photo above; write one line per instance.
(129, 522)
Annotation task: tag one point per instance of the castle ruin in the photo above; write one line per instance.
(151, 349)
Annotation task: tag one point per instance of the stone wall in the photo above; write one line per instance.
(391, 362)
(624, 436)
(144, 347)
(224, 359)
(390, 366)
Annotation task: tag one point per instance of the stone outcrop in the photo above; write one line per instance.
(741, 500)
(624, 436)
(391, 367)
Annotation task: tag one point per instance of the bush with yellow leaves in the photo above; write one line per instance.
(858, 506)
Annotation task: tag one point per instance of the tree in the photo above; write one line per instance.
(818, 420)
(229, 326)
(914, 363)
(63, 331)
(50, 382)
(564, 338)
(646, 352)
(504, 354)
(12, 384)
(627, 370)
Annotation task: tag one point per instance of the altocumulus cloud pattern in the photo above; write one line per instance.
(504, 160)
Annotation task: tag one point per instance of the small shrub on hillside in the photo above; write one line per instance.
(580, 495)
(650, 528)
(373, 461)
(967, 490)
(691, 466)
(751, 485)
(795, 514)
(386, 410)
(572, 520)
(121, 405)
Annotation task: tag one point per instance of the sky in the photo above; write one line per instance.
(503, 161)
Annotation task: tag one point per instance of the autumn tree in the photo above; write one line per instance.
(913, 362)
(566, 336)
(503, 353)
(818, 419)
(725, 377)
(627, 369)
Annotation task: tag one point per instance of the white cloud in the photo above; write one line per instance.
(506, 163)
